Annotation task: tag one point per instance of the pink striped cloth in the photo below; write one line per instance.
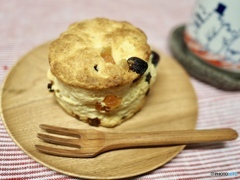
(26, 24)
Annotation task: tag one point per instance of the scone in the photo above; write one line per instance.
(101, 71)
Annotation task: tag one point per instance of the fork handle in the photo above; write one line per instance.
(122, 140)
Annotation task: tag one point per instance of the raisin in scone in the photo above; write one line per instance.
(101, 71)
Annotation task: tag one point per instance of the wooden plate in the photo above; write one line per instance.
(26, 103)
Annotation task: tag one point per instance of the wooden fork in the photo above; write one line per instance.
(90, 142)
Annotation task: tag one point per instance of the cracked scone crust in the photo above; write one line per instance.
(93, 54)
(101, 71)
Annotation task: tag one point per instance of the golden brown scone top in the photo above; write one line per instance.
(93, 54)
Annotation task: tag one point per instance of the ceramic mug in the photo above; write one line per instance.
(213, 33)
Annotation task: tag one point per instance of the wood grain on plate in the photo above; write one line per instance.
(26, 103)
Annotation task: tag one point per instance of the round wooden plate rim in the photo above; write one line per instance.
(178, 149)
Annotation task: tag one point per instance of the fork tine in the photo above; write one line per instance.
(60, 130)
(63, 152)
(59, 140)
